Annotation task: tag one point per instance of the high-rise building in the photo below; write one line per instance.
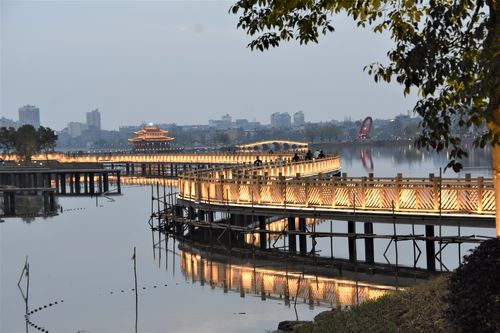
(94, 119)
(75, 129)
(281, 120)
(29, 115)
(298, 119)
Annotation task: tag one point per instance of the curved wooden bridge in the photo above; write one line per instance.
(181, 158)
(301, 189)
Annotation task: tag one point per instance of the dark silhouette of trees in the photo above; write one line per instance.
(7, 139)
(26, 141)
(47, 140)
(448, 50)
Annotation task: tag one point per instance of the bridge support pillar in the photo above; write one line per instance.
(106, 182)
(118, 183)
(292, 238)
(178, 226)
(237, 220)
(77, 183)
(191, 216)
(127, 169)
(369, 248)
(302, 236)
(85, 183)
(351, 229)
(63, 183)
(430, 248)
(71, 183)
(262, 234)
(91, 183)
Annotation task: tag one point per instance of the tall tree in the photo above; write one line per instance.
(448, 50)
(47, 139)
(7, 139)
(26, 143)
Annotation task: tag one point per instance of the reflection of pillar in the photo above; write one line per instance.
(191, 217)
(242, 290)
(118, 183)
(46, 202)
(369, 248)
(52, 202)
(263, 234)
(430, 248)
(262, 286)
(6, 203)
(178, 211)
(351, 229)
(292, 238)
(302, 236)
(310, 294)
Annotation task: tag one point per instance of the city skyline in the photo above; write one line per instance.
(166, 62)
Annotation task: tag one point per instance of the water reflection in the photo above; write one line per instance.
(406, 158)
(231, 274)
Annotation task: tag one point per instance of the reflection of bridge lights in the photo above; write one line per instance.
(278, 283)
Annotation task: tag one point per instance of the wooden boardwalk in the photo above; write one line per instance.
(283, 190)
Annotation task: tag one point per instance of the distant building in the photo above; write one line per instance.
(224, 123)
(29, 115)
(281, 120)
(5, 122)
(298, 119)
(151, 139)
(75, 129)
(94, 119)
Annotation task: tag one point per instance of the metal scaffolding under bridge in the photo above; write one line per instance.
(239, 206)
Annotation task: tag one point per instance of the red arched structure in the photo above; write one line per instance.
(366, 128)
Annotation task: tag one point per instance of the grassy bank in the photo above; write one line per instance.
(418, 309)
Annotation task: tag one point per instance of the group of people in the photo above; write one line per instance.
(308, 157)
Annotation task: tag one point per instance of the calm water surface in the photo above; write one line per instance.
(83, 257)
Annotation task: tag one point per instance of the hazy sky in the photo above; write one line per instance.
(179, 61)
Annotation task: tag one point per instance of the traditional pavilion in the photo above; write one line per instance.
(151, 139)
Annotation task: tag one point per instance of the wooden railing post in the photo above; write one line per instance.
(480, 187)
(399, 179)
(363, 194)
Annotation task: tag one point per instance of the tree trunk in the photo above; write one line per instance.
(495, 167)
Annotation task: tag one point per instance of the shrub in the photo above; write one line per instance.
(474, 290)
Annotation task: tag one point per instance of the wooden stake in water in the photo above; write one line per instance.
(136, 293)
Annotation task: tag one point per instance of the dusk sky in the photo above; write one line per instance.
(179, 61)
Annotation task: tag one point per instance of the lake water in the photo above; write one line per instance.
(83, 258)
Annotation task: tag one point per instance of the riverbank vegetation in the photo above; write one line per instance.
(467, 300)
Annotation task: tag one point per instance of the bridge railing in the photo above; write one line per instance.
(208, 158)
(285, 168)
(412, 195)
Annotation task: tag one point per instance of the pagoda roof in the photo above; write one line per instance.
(151, 133)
